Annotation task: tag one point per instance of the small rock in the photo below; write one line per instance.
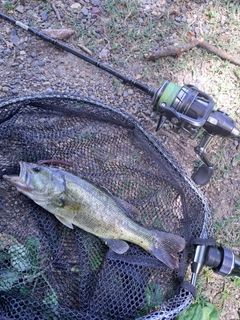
(20, 67)
(5, 89)
(44, 15)
(223, 19)
(47, 25)
(41, 63)
(1, 37)
(46, 83)
(14, 32)
(49, 90)
(1, 61)
(130, 91)
(76, 6)
(96, 2)
(15, 91)
(22, 52)
(84, 11)
(234, 162)
(183, 9)
(96, 10)
(33, 54)
(197, 32)
(20, 8)
(14, 39)
(125, 94)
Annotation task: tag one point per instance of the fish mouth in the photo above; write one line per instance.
(21, 182)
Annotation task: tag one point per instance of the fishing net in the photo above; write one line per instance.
(48, 271)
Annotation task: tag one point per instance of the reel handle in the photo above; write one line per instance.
(203, 175)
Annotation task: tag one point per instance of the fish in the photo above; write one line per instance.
(76, 201)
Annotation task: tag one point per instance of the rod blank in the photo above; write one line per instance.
(148, 90)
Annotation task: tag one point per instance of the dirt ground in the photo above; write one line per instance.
(29, 64)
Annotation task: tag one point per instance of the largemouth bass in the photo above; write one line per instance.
(75, 201)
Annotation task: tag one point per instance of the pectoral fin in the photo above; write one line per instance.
(64, 221)
(118, 246)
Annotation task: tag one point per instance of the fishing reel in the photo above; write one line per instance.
(222, 260)
(192, 109)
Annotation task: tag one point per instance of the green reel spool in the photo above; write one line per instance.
(167, 93)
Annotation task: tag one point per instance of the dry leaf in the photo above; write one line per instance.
(59, 34)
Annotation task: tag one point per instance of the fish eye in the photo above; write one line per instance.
(36, 169)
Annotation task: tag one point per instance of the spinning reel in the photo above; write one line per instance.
(222, 260)
(192, 109)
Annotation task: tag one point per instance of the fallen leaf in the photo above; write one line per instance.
(58, 33)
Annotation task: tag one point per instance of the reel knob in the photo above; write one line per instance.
(203, 175)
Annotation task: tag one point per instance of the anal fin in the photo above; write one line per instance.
(118, 246)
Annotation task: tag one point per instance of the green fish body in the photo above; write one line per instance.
(75, 201)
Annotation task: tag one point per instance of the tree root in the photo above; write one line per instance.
(176, 51)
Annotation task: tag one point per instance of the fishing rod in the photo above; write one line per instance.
(186, 107)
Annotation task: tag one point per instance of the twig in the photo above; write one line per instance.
(85, 49)
(219, 52)
(56, 11)
(176, 51)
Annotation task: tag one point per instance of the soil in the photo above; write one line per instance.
(29, 65)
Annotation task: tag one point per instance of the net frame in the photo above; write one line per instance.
(64, 104)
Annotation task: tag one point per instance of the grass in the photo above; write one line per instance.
(228, 228)
(140, 32)
(8, 6)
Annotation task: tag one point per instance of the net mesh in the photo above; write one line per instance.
(48, 271)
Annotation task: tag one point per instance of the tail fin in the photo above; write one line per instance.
(165, 247)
